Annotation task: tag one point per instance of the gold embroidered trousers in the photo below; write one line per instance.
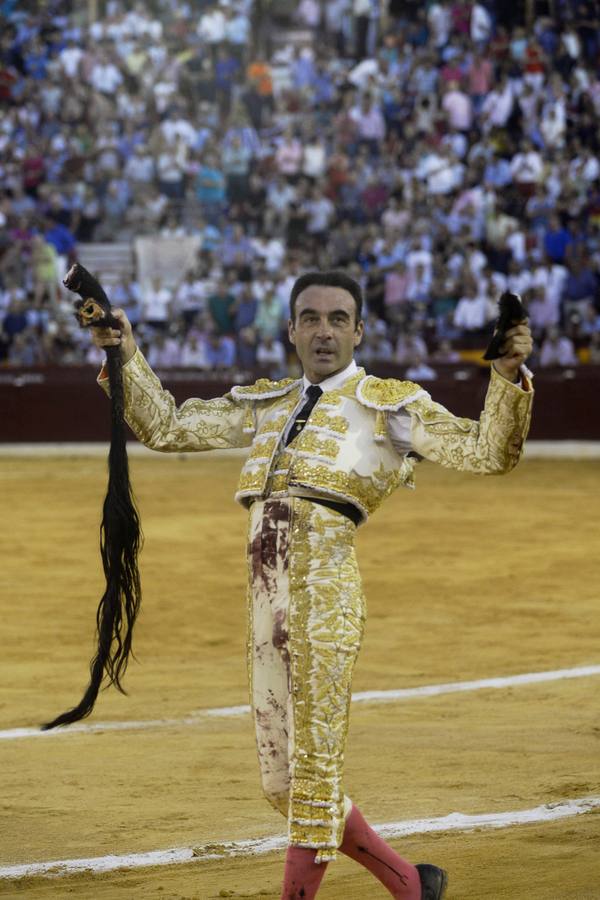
(306, 620)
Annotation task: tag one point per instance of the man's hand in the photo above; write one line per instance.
(112, 337)
(515, 349)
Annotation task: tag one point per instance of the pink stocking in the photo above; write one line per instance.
(362, 844)
(302, 875)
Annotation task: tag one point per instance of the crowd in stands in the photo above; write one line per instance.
(439, 152)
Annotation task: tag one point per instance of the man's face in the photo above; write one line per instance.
(325, 331)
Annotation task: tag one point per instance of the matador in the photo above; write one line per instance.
(324, 451)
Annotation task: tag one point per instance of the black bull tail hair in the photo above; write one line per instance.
(120, 531)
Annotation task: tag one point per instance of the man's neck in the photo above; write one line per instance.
(336, 379)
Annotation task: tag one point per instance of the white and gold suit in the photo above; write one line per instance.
(305, 600)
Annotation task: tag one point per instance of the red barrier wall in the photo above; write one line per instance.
(65, 404)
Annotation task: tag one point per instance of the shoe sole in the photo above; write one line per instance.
(444, 885)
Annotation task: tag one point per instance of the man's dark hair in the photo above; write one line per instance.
(330, 278)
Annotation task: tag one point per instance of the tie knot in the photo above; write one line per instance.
(313, 392)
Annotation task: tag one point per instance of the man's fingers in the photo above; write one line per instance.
(518, 329)
(106, 337)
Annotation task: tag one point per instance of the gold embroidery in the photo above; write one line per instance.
(385, 393)
(311, 442)
(322, 419)
(274, 425)
(263, 448)
(366, 493)
(490, 446)
(195, 425)
(252, 480)
(348, 389)
(264, 389)
(327, 615)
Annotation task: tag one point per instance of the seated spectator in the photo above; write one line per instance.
(269, 321)
(556, 240)
(581, 286)
(246, 309)
(156, 306)
(246, 348)
(189, 298)
(193, 352)
(527, 168)
(375, 348)
(288, 157)
(44, 262)
(409, 346)
(419, 370)
(15, 321)
(589, 320)
(164, 351)
(557, 350)
(221, 308)
(220, 352)
(211, 189)
(473, 312)
(445, 353)
(270, 354)
(370, 124)
(24, 350)
(320, 214)
(458, 108)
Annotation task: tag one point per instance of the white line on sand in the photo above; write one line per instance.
(392, 696)
(549, 812)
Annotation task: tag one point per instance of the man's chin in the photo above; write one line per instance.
(328, 364)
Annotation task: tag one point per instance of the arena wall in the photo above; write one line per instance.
(64, 404)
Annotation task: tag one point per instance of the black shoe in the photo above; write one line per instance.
(433, 881)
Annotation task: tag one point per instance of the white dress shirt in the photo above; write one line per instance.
(398, 422)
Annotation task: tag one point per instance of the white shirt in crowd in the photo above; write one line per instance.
(106, 78)
(155, 304)
(497, 108)
(527, 167)
(70, 58)
(473, 313)
(211, 27)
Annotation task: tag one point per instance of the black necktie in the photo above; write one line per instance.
(312, 395)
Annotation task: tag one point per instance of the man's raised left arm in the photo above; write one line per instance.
(493, 444)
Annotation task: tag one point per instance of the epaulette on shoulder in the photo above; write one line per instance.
(387, 394)
(264, 389)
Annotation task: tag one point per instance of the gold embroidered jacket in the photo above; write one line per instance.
(344, 452)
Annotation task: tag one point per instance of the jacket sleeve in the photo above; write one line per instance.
(156, 420)
(490, 446)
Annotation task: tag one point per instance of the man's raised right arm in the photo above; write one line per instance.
(151, 411)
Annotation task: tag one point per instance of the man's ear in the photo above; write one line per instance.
(291, 332)
(359, 332)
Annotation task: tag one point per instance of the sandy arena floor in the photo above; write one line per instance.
(466, 579)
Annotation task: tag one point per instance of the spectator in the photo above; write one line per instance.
(211, 189)
(473, 312)
(270, 354)
(220, 352)
(193, 352)
(419, 370)
(556, 240)
(164, 352)
(156, 304)
(221, 307)
(557, 350)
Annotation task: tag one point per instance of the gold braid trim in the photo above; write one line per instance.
(490, 446)
(387, 393)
